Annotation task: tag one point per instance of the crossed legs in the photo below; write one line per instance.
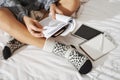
(11, 25)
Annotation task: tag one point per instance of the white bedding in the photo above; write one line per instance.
(31, 63)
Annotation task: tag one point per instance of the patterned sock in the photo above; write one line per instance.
(80, 61)
(11, 47)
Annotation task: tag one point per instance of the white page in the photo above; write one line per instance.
(51, 26)
(62, 18)
(98, 46)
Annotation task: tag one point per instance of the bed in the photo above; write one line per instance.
(32, 63)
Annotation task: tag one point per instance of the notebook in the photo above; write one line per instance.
(62, 25)
(98, 46)
(97, 43)
(86, 32)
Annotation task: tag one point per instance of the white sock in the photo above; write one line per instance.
(80, 61)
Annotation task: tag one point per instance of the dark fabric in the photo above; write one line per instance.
(23, 7)
(6, 52)
(11, 47)
(86, 68)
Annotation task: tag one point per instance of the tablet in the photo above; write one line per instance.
(86, 32)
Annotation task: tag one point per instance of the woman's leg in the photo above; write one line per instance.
(68, 7)
(11, 25)
(16, 29)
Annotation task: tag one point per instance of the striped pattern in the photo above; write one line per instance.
(22, 7)
(73, 56)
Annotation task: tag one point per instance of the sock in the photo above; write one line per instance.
(80, 61)
(11, 47)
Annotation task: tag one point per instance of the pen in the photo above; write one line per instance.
(102, 45)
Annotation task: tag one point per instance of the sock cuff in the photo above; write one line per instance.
(49, 45)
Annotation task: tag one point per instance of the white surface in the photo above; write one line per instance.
(51, 26)
(70, 28)
(31, 63)
(104, 15)
(98, 46)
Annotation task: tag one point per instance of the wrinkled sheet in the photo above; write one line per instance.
(104, 15)
(31, 63)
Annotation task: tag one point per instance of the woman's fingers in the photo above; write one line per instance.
(54, 9)
(34, 28)
(53, 13)
(36, 33)
(59, 11)
(37, 24)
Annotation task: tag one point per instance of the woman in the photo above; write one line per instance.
(15, 20)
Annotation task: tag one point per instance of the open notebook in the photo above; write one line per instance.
(62, 25)
(96, 44)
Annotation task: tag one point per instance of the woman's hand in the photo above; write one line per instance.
(54, 9)
(33, 26)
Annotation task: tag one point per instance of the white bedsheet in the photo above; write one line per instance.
(104, 15)
(31, 63)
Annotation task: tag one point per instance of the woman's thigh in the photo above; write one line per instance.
(7, 19)
(11, 25)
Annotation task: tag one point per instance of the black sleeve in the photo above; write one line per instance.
(15, 7)
(47, 3)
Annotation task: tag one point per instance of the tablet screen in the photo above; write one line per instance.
(87, 32)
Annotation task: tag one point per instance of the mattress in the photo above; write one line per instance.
(32, 63)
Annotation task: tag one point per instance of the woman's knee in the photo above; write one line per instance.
(3, 12)
(6, 19)
(69, 6)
